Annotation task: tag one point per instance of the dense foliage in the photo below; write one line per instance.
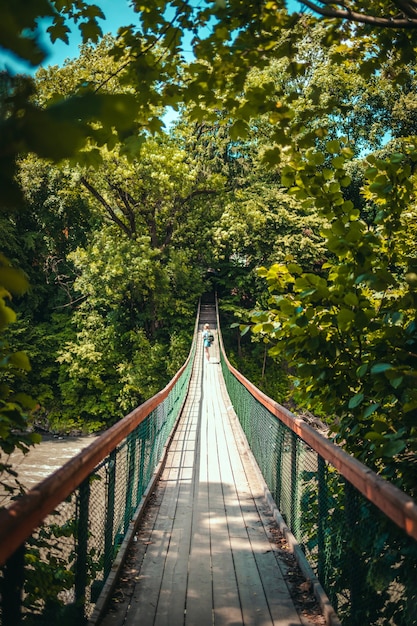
(294, 149)
(350, 331)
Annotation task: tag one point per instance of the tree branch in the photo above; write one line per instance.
(193, 194)
(362, 18)
(127, 201)
(152, 45)
(106, 205)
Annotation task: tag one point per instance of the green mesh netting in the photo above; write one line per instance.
(365, 563)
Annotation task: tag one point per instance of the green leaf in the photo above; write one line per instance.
(333, 146)
(272, 156)
(379, 425)
(58, 31)
(345, 317)
(20, 360)
(90, 158)
(35, 438)
(371, 409)
(393, 447)
(294, 268)
(13, 280)
(373, 436)
(338, 162)
(316, 158)
(25, 400)
(361, 370)
(90, 31)
(7, 315)
(379, 368)
(397, 157)
(351, 299)
(396, 382)
(356, 400)
(410, 406)
(239, 130)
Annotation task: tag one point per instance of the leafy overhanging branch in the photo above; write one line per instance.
(405, 19)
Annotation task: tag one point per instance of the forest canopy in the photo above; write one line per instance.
(288, 176)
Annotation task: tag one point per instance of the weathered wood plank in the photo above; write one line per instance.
(164, 562)
(206, 559)
(199, 593)
(172, 600)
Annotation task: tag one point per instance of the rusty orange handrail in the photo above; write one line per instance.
(18, 521)
(396, 504)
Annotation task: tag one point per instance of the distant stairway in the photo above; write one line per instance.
(208, 311)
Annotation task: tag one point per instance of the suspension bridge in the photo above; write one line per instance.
(171, 517)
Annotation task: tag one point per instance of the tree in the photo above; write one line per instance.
(352, 334)
(140, 273)
(148, 71)
(395, 14)
(15, 405)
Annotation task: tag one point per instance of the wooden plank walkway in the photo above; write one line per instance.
(203, 555)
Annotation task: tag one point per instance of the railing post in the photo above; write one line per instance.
(142, 459)
(109, 523)
(131, 453)
(12, 588)
(353, 565)
(82, 547)
(278, 470)
(295, 522)
(152, 438)
(322, 506)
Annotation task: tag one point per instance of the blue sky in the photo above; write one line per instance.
(118, 13)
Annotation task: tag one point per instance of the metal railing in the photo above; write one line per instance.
(357, 531)
(59, 543)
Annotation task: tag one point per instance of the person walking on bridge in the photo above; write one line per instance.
(207, 334)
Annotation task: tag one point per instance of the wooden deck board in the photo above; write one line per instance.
(204, 558)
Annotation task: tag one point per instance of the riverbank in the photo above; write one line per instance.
(47, 456)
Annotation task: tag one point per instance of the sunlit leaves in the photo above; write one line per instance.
(239, 130)
(13, 404)
(308, 97)
(350, 333)
(58, 30)
(12, 279)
